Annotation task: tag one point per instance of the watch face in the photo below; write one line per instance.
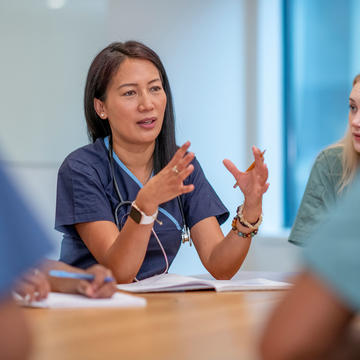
(135, 215)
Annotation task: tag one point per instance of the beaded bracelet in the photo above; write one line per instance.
(243, 222)
(239, 233)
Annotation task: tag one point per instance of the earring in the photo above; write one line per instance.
(102, 114)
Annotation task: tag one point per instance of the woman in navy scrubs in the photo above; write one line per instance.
(126, 199)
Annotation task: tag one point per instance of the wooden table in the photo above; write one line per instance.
(186, 325)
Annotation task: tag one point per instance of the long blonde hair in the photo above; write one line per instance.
(350, 157)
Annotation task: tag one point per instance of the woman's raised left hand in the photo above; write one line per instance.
(253, 182)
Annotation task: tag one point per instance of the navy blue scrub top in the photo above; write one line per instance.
(85, 193)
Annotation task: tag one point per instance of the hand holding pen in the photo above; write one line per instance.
(96, 282)
(250, 167)
(252, 182)
(35, 284)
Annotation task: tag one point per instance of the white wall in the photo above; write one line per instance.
(201, 45)
(44, 56)
(209, 49)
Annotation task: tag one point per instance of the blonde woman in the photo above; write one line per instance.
(333, 171)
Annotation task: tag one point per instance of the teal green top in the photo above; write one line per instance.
(334, 248)
(321, 194)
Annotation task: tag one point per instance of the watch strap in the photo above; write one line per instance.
(140, 217)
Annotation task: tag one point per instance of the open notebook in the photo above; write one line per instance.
(61, 301)
(173, 282)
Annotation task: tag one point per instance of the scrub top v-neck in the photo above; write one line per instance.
(85, 193)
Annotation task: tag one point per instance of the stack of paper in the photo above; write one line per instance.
(59, 301)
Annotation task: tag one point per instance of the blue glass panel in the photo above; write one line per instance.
(318, 62)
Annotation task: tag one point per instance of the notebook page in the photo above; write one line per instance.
(249, 284)
(166, 282)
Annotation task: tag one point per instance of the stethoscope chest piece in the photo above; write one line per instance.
(185, 235)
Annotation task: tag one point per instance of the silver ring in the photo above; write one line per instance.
(175, 170)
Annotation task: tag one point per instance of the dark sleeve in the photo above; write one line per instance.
(319, 195)
(81, 196)
(23, 242)
(203, 201)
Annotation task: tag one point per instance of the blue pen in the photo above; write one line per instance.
(71, 275)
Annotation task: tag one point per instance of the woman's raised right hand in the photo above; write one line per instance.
(168, 183)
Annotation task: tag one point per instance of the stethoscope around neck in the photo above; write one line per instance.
(185, 231)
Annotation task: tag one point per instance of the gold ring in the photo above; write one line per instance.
(175, 170)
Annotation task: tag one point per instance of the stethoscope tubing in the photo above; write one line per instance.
(185, 231)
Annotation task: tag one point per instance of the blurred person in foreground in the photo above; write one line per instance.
(315, 320)
(22, 245)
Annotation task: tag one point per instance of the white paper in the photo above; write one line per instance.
(61, 301)
(173, 282)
